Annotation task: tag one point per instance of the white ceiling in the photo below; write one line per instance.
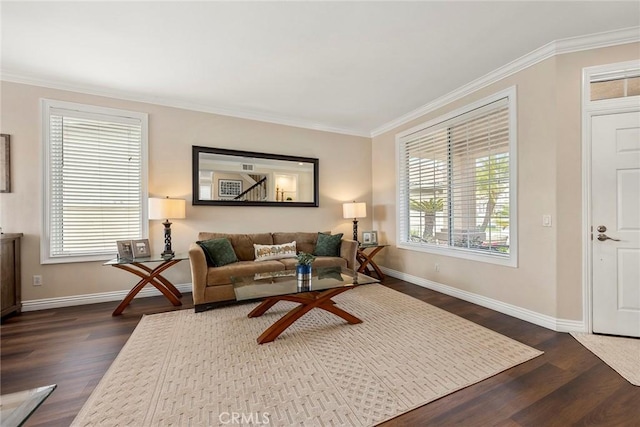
(350, 67)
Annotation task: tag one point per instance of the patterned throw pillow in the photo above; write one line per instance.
(328, 244)
(218, 252)
(269, 252)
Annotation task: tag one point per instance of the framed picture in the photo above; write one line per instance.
(125, 249)
(370, 237)
(5, 163)
(141, 248)
(229, 187)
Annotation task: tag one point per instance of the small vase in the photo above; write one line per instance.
(303, 273)
(302, 269)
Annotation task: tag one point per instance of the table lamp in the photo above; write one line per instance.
(354, 210)
(167, 209)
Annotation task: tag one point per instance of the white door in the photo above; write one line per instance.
(615, 186)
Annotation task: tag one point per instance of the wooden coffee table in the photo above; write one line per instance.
(317, 292)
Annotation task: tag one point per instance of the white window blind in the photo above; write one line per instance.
(454, 182)
(96, 181)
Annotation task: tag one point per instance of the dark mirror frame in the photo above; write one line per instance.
(197, 150)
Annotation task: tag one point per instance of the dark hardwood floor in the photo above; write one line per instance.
(568, 385)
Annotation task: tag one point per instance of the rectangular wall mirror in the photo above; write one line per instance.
(224, 177)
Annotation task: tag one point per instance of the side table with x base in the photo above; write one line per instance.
(147, 276)
(366, 260)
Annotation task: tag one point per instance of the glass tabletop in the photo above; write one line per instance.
(262, 285)
(15, 408)
(152, 258)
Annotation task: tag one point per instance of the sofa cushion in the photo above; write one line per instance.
(329, 261)
(268, 252)
(218, 252)
(328, 244)
(222, 275)
(242, 243)
(305, 242)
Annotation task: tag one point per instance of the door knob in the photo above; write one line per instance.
(601, 229)
(603, 237)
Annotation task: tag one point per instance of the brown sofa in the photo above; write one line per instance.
(213, 284)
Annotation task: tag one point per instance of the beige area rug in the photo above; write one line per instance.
(622, 354)
(204, 369)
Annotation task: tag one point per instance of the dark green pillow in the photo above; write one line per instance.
(218, 252)
(328, 244)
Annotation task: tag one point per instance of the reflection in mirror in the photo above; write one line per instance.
(243, 178)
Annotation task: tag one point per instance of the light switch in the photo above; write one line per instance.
(546, 220)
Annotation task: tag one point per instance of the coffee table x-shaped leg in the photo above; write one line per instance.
(307, 301)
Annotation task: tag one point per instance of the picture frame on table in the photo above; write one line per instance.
(369, 237)
(141, 248)
(125, 249)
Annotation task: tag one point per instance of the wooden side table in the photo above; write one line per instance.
(367, 265)
(147, 276)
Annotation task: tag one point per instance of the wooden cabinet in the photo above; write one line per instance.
(10, 267)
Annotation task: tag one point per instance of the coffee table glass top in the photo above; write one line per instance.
(262, 285)
(15, 408)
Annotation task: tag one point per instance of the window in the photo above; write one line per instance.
(615, 85)
(456, 186)
(94, 180)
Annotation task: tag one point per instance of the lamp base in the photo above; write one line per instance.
(355, 229)
(168, 252)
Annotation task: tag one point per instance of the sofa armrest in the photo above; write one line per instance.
(199, 269)
(348, 250)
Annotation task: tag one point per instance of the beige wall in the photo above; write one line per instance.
(548, 279)
(345, 174)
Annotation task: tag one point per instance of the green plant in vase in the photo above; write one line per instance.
(304, 262)
(305, 258)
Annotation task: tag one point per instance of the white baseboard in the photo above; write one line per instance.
(46, 303)
(549, 322)
(565, 325)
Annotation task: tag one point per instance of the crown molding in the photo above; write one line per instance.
(222, 111)
(598, 40)
(557, 47)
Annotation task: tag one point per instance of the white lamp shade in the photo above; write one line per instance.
(167, 208)
(354, 210)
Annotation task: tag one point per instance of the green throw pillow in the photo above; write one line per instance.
(218, 252)
(328, 244)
